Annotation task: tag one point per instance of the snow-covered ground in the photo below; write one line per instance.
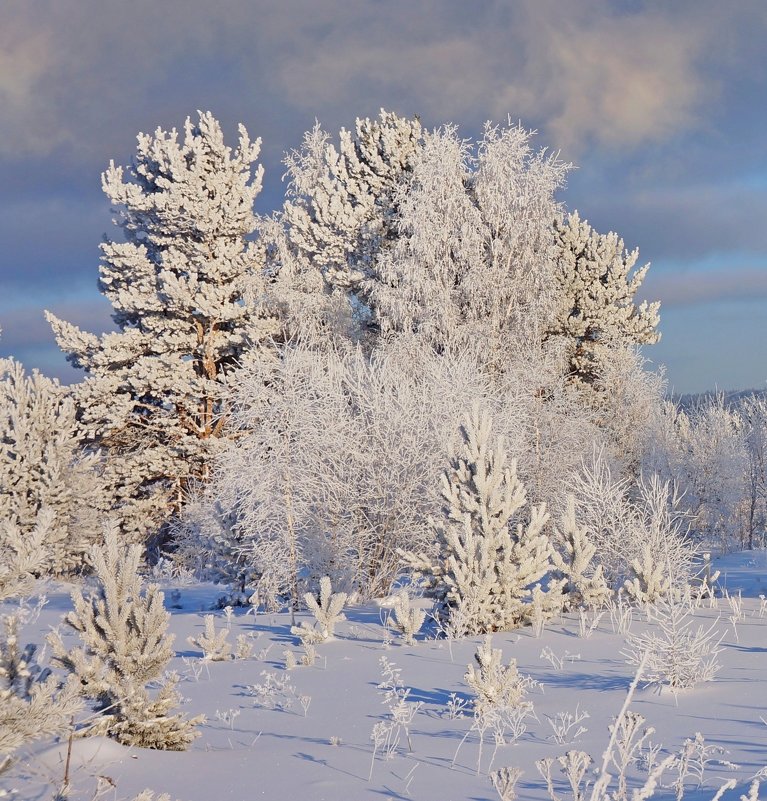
(315, 742)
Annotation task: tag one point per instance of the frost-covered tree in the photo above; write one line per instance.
(152, 394)
(754, 414)
(337, 465)
(473, 257)
(339, 212)
(596, 312)
(125, 646)
(704, 452)
(487, 562)
(42, 467)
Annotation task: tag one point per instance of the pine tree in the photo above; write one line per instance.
(596, 311)
(33, 702)
(42, 467)
(152, 394)
(124, 646)
(339, 212)
(487, 562)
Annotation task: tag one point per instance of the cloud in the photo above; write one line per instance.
(77, 71)
(692, 288)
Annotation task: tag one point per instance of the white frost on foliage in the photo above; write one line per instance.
(152, 394)
(487, 563)
(595, 310)
(473, 256)
(44, 470)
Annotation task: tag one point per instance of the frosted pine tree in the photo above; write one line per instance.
(124, 646)
(596, 311)
(33, 702)
(339, 210)
(152, 394)
(42, 467)
(573, 559)
(486, 562)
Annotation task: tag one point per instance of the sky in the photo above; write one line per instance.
(661, 107)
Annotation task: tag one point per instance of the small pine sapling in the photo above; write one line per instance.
(675, 654)
(406, 620)
(650, 579)
(124, 646)
(33, 702)
(214, 644)
(327, 613)
(485, 566)
(573, 554)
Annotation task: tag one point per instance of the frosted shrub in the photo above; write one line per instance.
(705, 453)
(326, 609)
(124, 646)
(566, 726)
(573, 559)
(214, 644)
(485, 565)
(494, 683)
(406, 620)
(336, 465)
(675, 654)
(500, 704)
(43, 469)
(643, 539)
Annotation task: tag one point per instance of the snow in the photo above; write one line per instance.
(282, 753)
